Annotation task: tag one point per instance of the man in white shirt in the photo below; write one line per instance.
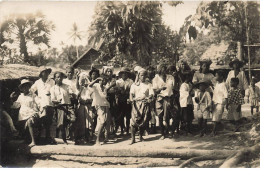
(42, 87)
(163, 85)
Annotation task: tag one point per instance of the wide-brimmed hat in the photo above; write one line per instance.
(124, 70)
(240, 63)
(205, 61)
(23, 83)
(93, 69)
(205, 82)
(48, 70)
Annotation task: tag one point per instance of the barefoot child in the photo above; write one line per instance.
(204, 104)
(186, 94)
(235, 100)
(141, 94)
(29, 112)
(102, 105)
(220, 96)
(253, 96)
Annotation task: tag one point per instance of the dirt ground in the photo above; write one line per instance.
(153, 152)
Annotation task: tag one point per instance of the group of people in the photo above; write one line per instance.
(92, 106)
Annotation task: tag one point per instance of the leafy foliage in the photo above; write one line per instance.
(21, 29)
(129, 30)
(224, 20)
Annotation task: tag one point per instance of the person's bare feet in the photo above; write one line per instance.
(32, 145)
(97, 143)
(162, 137)
(132, 142)
(141, 139)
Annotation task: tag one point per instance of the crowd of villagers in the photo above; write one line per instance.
(90, 107)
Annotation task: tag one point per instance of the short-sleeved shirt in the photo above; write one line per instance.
(28, 106)
(43, 91)
(99, 96)
(158, 82)
(220, 93)
(235, 96)
(141, 91)
(60, 93)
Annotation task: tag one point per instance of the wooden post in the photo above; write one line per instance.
(247, 41)
(239, 51)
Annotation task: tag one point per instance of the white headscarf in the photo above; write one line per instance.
(137, 82)
(83, 75)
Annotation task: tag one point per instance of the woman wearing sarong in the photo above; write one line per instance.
(85, 113)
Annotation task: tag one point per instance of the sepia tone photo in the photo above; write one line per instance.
(129, 84)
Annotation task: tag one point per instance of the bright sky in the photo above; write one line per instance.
(64, 14)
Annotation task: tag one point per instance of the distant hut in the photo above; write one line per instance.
(87, 59)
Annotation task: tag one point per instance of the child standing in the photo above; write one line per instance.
(235, 100)
(29, 112)
(220, 96)
(141, 94)
(253, 95)
(186, 94)
(102, 106)
(204, 104)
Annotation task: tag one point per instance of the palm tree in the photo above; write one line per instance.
(24, 28)
(75, 34)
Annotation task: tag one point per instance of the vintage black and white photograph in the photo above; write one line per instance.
(129, 84)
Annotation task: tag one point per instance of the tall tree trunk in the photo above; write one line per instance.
(23, 47)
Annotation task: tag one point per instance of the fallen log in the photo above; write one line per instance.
(238, 157)
(199, 158)
(126, 152)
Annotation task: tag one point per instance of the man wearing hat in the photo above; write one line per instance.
(123, 85)
(41, 88)
(28, 113)
(236, 72)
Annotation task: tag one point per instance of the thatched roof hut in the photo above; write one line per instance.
(16, 71)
